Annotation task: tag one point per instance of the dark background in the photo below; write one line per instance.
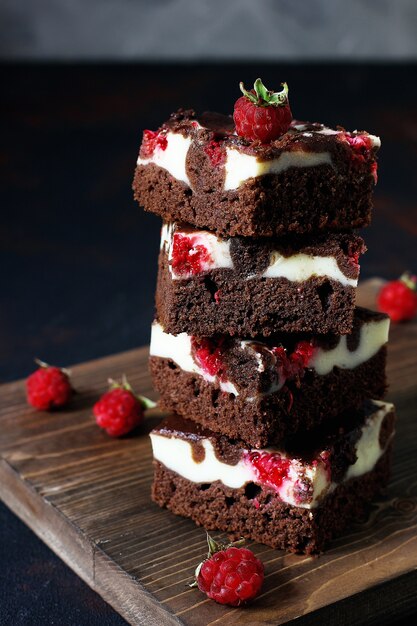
(79, 258)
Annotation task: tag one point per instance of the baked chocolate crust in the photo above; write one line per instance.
(268, 419)
(266, 206)
(221, 301)
(322, 198)
(257, 514)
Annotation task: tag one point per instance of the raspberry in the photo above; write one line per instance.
(354, 250)
(301, 356)
(294, 365)
(48, 388)
(151, 141)
(120, 410)
(354, 258)
(303, 491)
(271, 468)
(361, 144)
(398, 298)
(189, 257)
(361, 148)
(230, 574)
(262, 115)
(208, 355)
(215, 153)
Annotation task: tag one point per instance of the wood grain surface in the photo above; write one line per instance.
(87, 497)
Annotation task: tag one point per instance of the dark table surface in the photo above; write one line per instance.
(78, 257)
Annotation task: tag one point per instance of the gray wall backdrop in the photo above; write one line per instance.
(208, 29)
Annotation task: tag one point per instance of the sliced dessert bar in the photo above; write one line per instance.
(246, 287)
(297, 499)
(196, 169)
(261, 391)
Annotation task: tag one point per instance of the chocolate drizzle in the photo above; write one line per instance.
(175, 427)
(198, 452)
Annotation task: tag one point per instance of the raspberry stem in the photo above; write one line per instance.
(213, 547)
(409, 280)
(41, 363)
(45, 366)
(262, 97)
(147, 403)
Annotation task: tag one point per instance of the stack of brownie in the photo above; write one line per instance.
(271, 377)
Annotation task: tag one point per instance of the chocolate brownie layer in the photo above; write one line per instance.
(256, 514)
(311, 179)
(245, 287)
(267, 419)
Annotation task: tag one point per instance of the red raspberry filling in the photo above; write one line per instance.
(354, 258)
(208, 355)
(374, 171)
(215, 153)
(361, 146)
(189, 257)
(293, 365)
(303, 491)
(360, 143)
(271, 468)
(325, 459)
(151, 141)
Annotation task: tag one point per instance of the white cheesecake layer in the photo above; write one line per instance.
(173, 158)
(295, 268)
(178, 349)
(176, 454)
(373, 335)
(368, 450)
(300, 267)
(239, 167)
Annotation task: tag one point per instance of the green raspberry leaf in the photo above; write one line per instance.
(263, 97)
(261, 91)
(248, 94)
(147, 403)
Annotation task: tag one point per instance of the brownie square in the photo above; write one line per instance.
(262, 390)
(248, 287)
(312, 179)
(297, 498)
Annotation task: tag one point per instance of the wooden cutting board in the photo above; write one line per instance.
(87, 496)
